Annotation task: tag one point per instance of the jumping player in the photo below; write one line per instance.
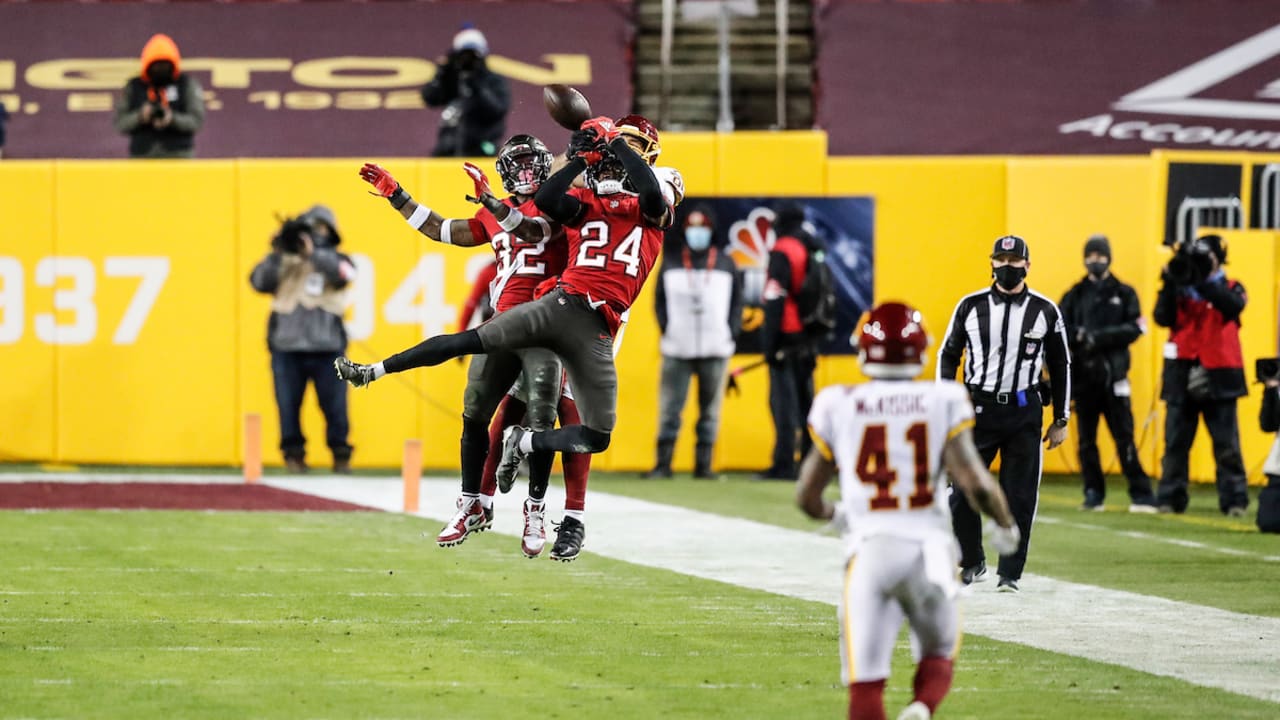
(528, 251)
(615, 233)
(889, 441)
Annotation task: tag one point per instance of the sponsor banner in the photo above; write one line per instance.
(1080, 77)
(328, 79)
(845, 225)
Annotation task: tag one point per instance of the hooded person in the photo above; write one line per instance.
(474, 98)
(162, 108)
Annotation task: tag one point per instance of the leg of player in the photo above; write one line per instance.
(488, 378)
(571, 532)
(541, 379)
(510, 412)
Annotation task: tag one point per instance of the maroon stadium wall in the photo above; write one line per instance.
(1048, 77)
(328, 79)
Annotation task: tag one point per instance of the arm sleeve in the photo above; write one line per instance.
(1059, 363)
(1165, 312)
(191, 120)
(653, 204)
(553, 198)
(126, 119)
(1123, 334)
(1226, 299)
(265, 277)
(735, 304)
(1269, 417)
(490, 98)
(337, 269)
(442, 89)
(953, 342)
(775, 298)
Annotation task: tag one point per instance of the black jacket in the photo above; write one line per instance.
(475, 105)
(176, 140)
(1103, 319)
(1269, 416)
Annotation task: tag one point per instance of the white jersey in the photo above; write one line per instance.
(886, 437)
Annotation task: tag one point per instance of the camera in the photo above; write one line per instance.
(1191, 263)
(1267, 369)
(289, 237)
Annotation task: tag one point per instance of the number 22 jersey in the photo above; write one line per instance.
(886, 437)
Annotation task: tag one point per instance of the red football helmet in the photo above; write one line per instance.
(641, 135)
(893, 341)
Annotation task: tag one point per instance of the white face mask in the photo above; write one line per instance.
(698, 238)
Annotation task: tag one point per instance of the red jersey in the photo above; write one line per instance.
(522, 264)
(611, 251)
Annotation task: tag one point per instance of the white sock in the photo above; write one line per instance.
(576, 514)
(469, 497)
(526, 442)
(486, 502)
(378, 371)
(537, 501)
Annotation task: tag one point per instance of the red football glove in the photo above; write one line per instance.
(601, 127)
(380, 179)
(478, 177)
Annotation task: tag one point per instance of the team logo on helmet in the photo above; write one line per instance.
(892, 341)
(524, 163)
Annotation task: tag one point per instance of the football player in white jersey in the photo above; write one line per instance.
(889, 441)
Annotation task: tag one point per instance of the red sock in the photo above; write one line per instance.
(510, 412)
(933, 680)
(866, 700)
(577, 466)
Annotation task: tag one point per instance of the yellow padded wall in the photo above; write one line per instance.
(26, 240)
(146, 365)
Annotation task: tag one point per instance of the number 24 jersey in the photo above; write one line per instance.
(886, 437)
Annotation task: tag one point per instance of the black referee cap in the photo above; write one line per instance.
(1011, 245)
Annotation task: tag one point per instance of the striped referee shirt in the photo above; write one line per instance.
(1005, 341)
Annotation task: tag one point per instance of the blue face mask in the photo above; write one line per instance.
(698, 238)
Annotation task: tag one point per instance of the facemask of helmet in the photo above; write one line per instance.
(607, 177)
(524, 163)
(697, 237)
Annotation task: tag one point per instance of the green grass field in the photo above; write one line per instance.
(357, 615)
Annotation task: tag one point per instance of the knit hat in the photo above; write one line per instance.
(1098, 244)
(470, 38)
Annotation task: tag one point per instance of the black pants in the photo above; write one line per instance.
(1090, 404)
(1014, 433)
(1180, 422)
(292, 371)
(790, 396)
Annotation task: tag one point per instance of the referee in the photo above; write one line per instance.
(1006, 333)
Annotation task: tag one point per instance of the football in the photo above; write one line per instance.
(566, 106)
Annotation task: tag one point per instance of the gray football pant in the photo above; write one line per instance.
(566, 325)
(490, 377)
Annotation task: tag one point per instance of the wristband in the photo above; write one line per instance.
(512, 220)
(446, 232)
(419, 217)
(399, 198)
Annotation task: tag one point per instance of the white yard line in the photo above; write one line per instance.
(1196, 644)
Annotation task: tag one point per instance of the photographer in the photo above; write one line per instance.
(1269, 420)
(1203, 371)
(475, 100)
(1103, 319)
(161, 109)
(307, 277)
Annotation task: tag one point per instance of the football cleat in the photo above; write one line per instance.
(971, 575)
(915, 711)
(354, 373)
(512, 456)
(1007, 585)
(470, 518)
(569, 537)
(535, 531)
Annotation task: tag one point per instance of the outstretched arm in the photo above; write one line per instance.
(652, 203)
(420, 217)
(553, 197)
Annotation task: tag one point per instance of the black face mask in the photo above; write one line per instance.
(160, 73)
(1009, 277)
(1096, 269)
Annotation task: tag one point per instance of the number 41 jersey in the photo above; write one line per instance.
(886, 437)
